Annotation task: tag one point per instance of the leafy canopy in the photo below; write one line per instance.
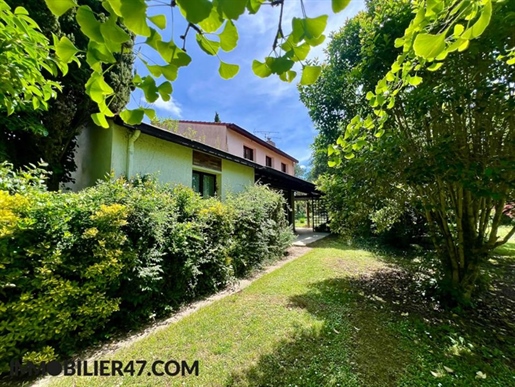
(438, 28)
(25, 55)
(49, 134)
(214, 25)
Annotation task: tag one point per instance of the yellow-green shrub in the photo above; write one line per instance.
(60, 262)
(77, 266)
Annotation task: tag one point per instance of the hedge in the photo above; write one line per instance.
(76, 267)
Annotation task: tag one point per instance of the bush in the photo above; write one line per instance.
(61, 261)
(78, 266)
(260, 228)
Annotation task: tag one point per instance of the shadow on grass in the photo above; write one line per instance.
(350, 347)
(382, 328)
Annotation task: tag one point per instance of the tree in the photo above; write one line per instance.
(27, 135)
(449, 143)
(217, 117)
(24, 54)
(338, 94)
(440, 27)
(420, 45)
(361, 193)
(300, 171)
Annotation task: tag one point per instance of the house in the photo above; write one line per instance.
(235, 140)
(212, 158)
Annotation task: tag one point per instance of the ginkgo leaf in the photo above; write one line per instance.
(213, 22)
(97, 88)
(134, 13)
(415, 80)
(115, 33)
(310, 74)
(232, 9)
(261, 69)
(313, 42)
(165, 90)
(435, 66)
(279, 65)
(132, 117)
(148, 85)
(339, 5)
(60, 7)
(159, 21)
(155, 70)
(228, 37)
(210, 47)
(480, 25)
(458, 30)
(65, 49)
(227, 70)
(429, 46)
(89, 25)
(254, 5)
(100, 120)
(150, 113)
(195, 11)
(288, 76)
(170, 72)
(314, 27)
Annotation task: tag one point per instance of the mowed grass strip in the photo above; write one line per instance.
(337, 316)
(273, 332)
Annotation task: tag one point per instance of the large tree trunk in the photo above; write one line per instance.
(464, 230)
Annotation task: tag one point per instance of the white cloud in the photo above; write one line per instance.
(173, 107)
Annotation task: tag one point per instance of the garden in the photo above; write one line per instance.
(415, 154)
(343, 314)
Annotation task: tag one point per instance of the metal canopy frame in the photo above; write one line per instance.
(295, 189)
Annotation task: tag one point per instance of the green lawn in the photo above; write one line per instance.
(338, 316)
(301, 222)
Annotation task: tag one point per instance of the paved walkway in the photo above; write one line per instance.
(305, 236)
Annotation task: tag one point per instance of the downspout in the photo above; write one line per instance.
(130, 151)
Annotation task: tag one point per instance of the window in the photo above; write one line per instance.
(284, 168)
(248, 153)
(204, 183)
(269, 162)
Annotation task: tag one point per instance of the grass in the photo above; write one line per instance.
(301, 222)
(338, 316)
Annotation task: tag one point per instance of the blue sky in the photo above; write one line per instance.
(256, 104)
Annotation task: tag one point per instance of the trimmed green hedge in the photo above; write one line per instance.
(76, 267)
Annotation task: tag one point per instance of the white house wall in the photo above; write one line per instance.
(102, 151)
(235, 177)
(119, 150)
(92, 156)
(173, 163)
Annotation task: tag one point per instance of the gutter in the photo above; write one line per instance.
(130, 151)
